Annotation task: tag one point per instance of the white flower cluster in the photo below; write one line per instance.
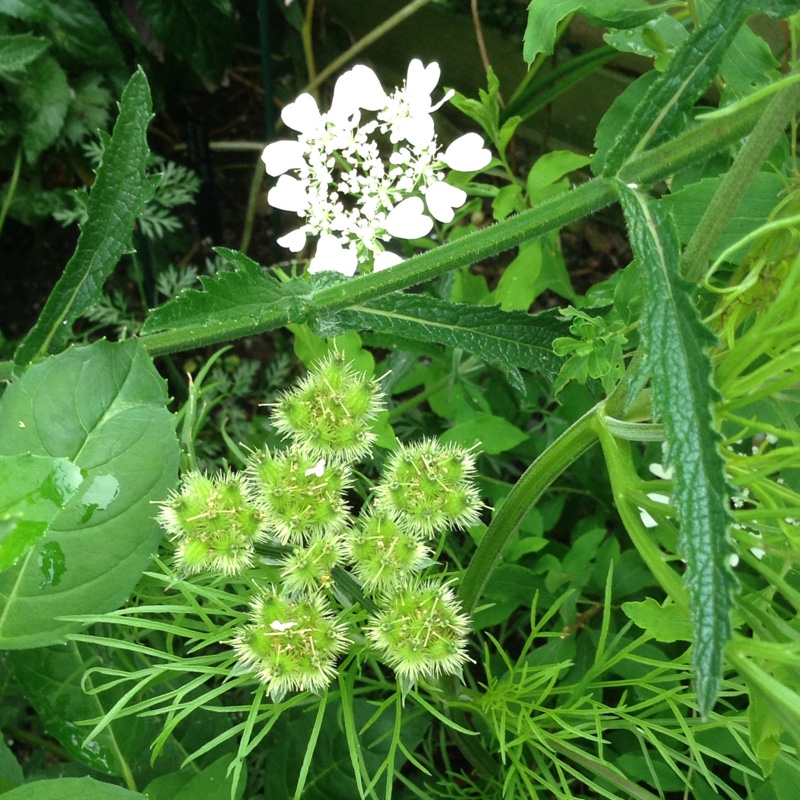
(341, 187)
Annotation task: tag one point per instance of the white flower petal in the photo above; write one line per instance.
(294, 240)
(302, 115)
(406, 220)
(331, 256)
(467, 153)
(288, 194)
(386, 260)
(417, 130)
(280, 157)
(356, 89)
(442, 198)
(660, 471)
(421, 81)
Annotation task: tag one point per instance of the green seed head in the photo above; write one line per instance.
(299, 495)
(383, 553)
(293, 645)
(420, 631)
(330, 413)
(428, 487)
(309, 567)
(214, 523)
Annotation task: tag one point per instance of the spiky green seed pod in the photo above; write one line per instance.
(420, 631)
(292, 644)
(308, 568)
(330, 412)
(213, 522)
(383, 553)
(300, 495)
(428, 487)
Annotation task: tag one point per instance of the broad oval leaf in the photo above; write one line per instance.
(35, 490)
(102, 408)
(71, 789)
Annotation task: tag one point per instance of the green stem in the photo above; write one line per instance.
(375, 34)
(777, 115)
(308, 45)
(575, 441)
(12, 188)
(618, 462)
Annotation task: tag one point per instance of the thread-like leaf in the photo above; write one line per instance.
(119, 193)
(675, 345)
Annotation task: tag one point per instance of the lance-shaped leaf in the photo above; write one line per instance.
(241, 298)
(511, 340)
(661, 113)
(117, 197)
(675, 345)
(101, 409)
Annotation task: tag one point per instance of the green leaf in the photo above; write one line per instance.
(213, 783)
(247, 293)
(118, 195)
(544, 17)
(101, 408)
(551, 168)
(77, 28)
(43, 97)
(666, 622)
(35, 490)
(11, 774)
(71, 789)
(675, 343)
(332, 773)
(492, 434)
(56, 683)
(200, 33)
(511, 340)
(755, 206)
(661, 114)
(18, 50)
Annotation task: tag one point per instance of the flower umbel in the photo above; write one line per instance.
(342, 189)
(292, 644)
(428, 487)
(329, 414)
(299, 497)
(214, 523)
(383, 553)
(420, 631)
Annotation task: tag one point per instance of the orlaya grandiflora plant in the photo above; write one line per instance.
(335, 178)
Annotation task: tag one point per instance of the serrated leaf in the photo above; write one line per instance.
(35, 490)
(508, 339)
(662, 112)
(43, 97)
(675, 345)
(119, 193)
(544, 17)
(18, 50)
(102, 408)
(757, 203)
(243, 294)
(71, 789)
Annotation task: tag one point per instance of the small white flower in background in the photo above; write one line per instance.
(347, 196)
